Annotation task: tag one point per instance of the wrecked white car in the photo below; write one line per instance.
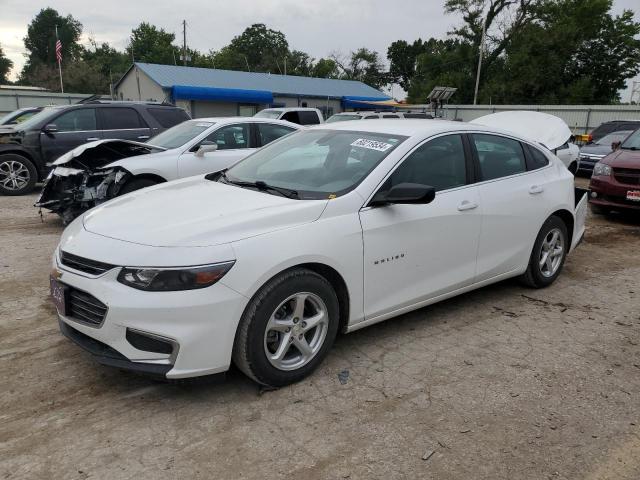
(99, 171)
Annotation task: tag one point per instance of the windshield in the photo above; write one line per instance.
(38, 117)
(180, 134)
(317, 163)
(633, 142)
(268, 114)
(342, 118)
(619, 136)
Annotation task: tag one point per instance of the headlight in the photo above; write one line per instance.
(601, 170)
(172, 279)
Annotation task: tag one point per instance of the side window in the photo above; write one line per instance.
(439, 163)
(120, 118)
(537, 159)
(268, 132)
(499, 156)
(77, 120)
(308, 118)
(371, 117)
(390, 116)
(230, 137)
(167, 116)
(291, 117)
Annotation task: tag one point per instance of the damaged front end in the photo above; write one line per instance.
(82, 178)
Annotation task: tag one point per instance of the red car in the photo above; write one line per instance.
(615, 184)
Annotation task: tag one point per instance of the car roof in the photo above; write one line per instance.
(291, 109)
(407, 127)
(244, 119)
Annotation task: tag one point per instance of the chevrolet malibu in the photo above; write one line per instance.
(330, 229)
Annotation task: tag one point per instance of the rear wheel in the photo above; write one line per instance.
(548, 255)
(136, 184)
(18, 175)
(287, 328)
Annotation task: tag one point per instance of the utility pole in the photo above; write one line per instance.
(484, 29)
(184, 42)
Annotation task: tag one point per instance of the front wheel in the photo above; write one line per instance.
(18, 175)
(287, 328)
(548, 255)
(136, 184)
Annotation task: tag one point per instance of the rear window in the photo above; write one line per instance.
(120, 118)
(416, 115)
(168, 117)
(308, 118)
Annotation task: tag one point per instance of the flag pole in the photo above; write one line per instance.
(59, 58)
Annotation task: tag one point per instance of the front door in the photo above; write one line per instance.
(416, 252)
(74, 127)
(234, 143)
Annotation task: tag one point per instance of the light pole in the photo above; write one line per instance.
(484, 28)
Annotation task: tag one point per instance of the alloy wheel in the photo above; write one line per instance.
(14, 175)
(296, 331)
(551, 253)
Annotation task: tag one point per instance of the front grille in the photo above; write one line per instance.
(84, 307)
(628, 176)
(92, 267)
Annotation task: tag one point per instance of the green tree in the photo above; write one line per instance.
(5, 67)
(363, 65)
(257, 49)
(403, 58)
(40, 41)
(150, 44)
(325, 68)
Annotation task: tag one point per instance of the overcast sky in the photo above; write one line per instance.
(317, 27)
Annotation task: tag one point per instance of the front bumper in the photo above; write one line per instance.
(608, 192)
(199, 324)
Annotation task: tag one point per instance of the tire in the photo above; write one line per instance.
(257, 342)
(18, 175)
(599, 210)
(136, 184)
(540, 276)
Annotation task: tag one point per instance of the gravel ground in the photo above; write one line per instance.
(504, 382)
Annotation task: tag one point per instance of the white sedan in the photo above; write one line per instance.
(328, 229)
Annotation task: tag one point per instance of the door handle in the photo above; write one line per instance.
(535, 189)
(143, 137)
(467, 205)
(91, 139)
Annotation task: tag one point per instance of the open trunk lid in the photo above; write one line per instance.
(549, 130)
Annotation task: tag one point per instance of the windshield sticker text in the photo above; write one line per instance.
(372, 145)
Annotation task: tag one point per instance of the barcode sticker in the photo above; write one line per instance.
(372, 145)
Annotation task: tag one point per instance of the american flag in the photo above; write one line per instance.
(59, 50)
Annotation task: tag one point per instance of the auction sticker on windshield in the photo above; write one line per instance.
(372, 145)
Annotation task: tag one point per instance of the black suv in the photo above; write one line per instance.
(27, 148)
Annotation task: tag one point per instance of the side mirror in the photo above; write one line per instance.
(405, 193)
(50, 128)
(615, 145)
(202, 149)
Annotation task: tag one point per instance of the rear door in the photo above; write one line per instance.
(75, 127)
(234, 142)
(123, 123)
(513, 202)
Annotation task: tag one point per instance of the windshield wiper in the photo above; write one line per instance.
(260, 185)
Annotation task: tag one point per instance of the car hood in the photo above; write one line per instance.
(196, 212)
(595, 150)
(103, 152)
(547, 129)
(623, 159)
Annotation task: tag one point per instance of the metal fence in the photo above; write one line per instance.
(580, 118)
(13, 99)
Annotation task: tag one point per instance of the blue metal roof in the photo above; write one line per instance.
(169, 76)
